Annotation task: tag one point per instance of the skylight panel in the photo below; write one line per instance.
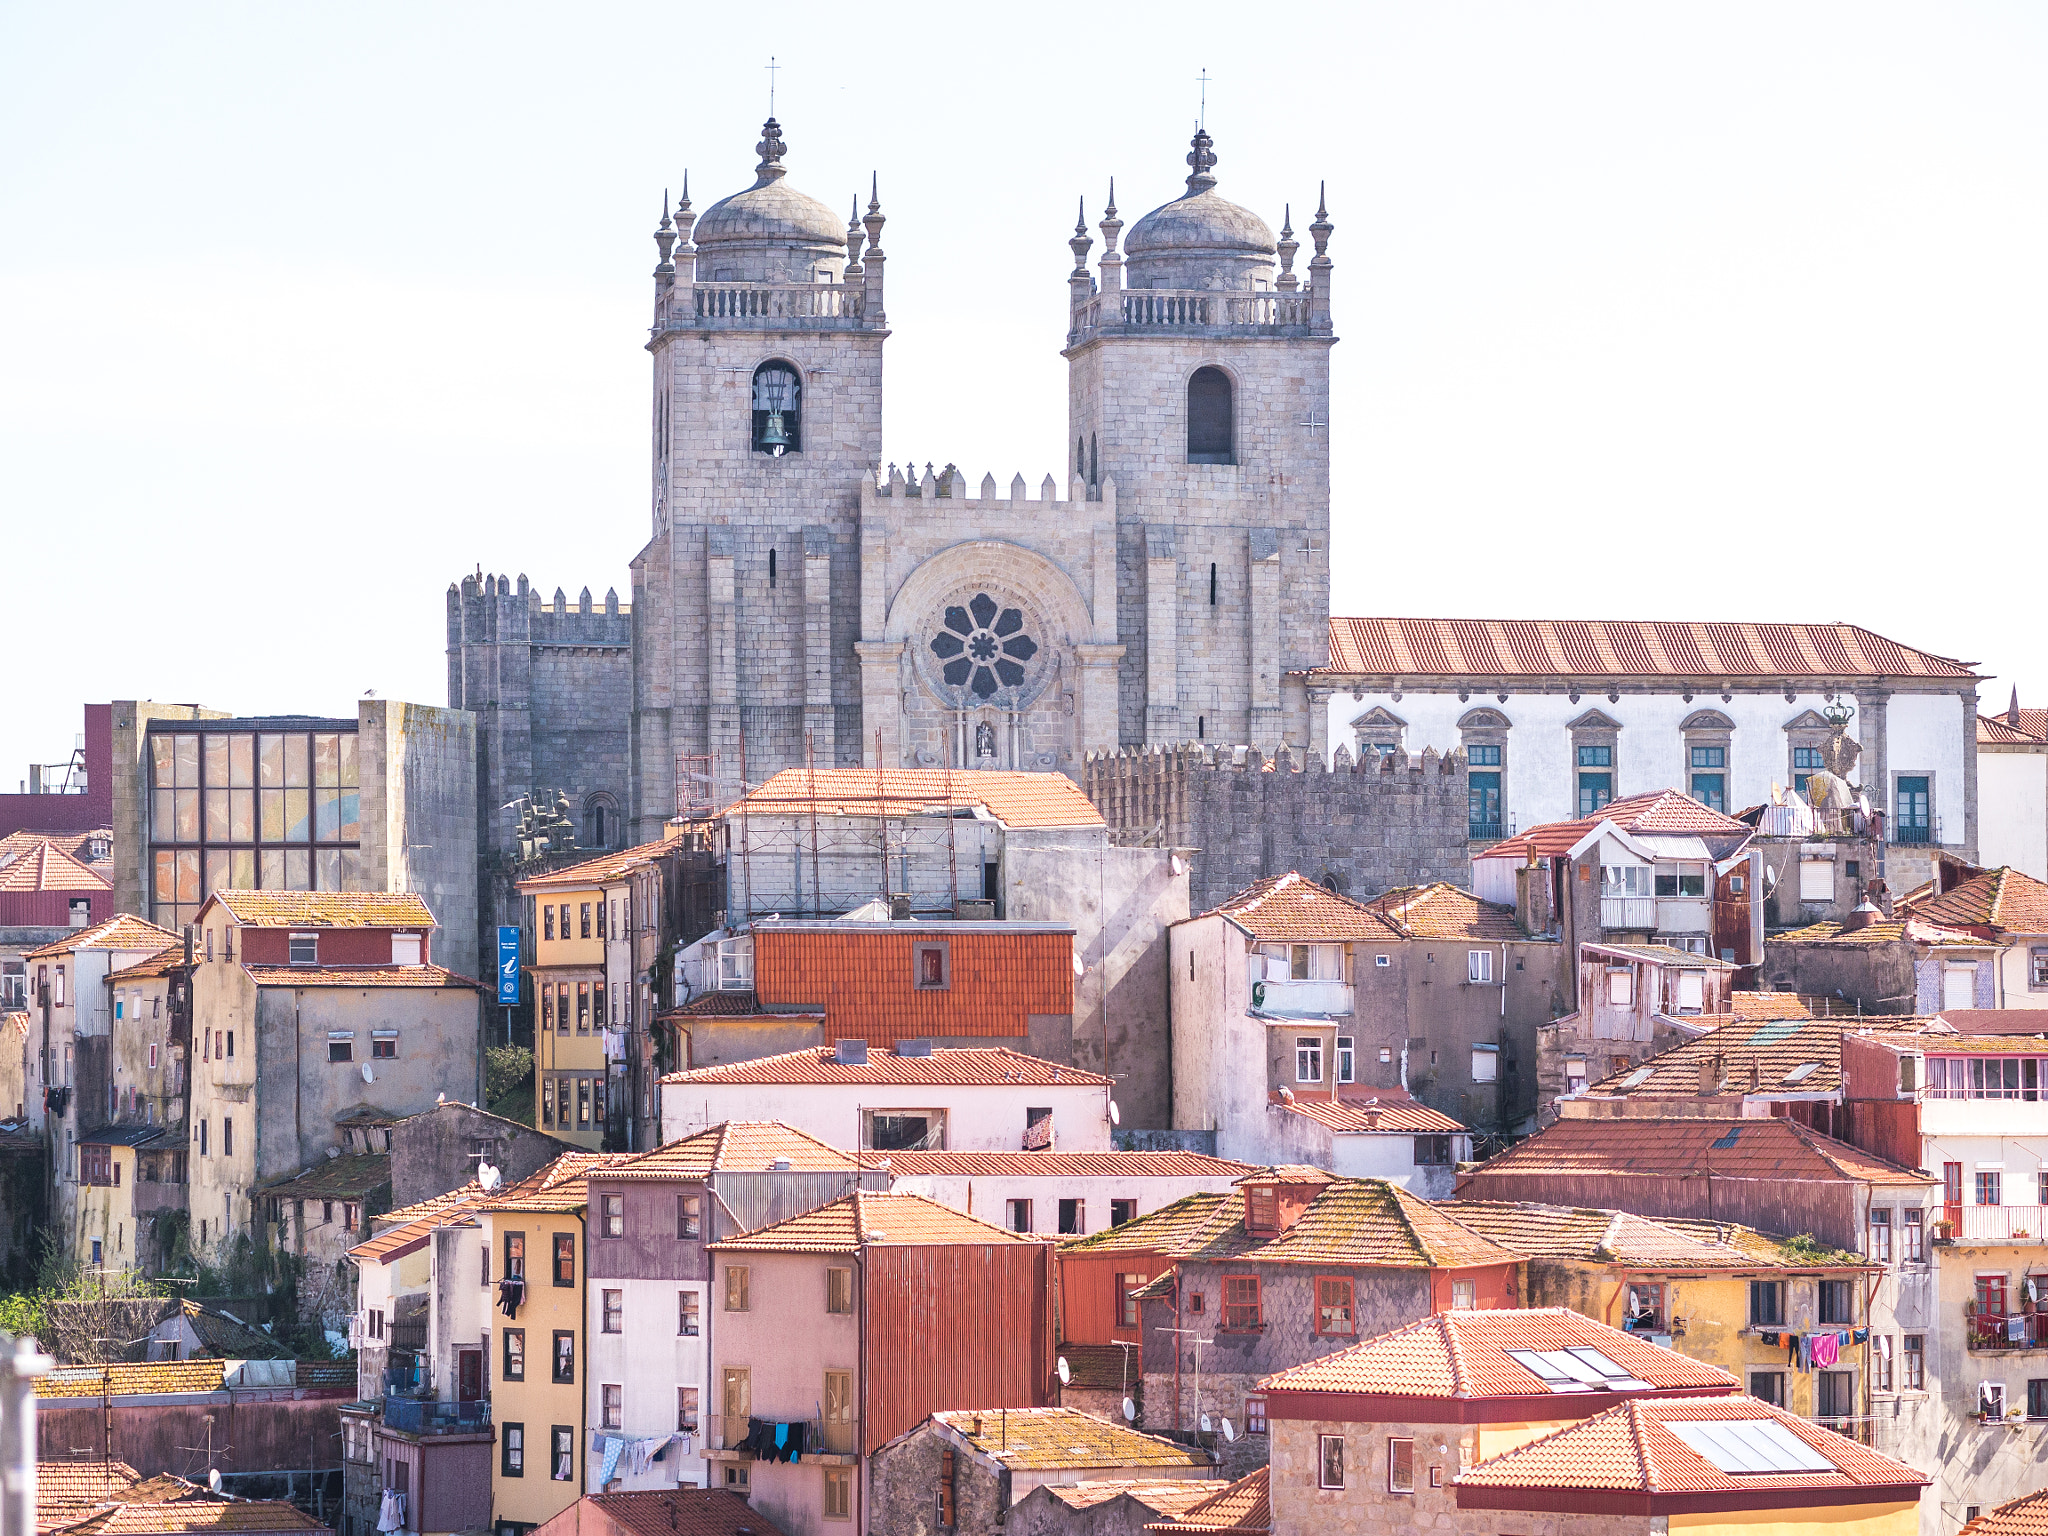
(1637, 1078)
(1802, 1072)
(1750, 1446)
(1547, 1370)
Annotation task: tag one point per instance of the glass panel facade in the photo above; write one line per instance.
(237, 809)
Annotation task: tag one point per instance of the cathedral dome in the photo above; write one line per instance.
(770, 232)
(1201, 239)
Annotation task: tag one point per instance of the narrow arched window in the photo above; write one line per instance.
(776, 409)
(1212, 583)
(1080, 456)
(1094, 464)
(1209, 418)
(771, 567)
(1201, 727)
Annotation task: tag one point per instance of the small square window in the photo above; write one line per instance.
(304, 948)
(384, 1048)
(341, 1048)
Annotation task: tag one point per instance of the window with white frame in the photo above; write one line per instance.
(1308, 1059)
(1485, 1063)
(1621, 987)
(1303, 962)
(1347, 1071)
(1479, 965)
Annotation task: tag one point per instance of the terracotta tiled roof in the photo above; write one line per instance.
(162, 963)
(348, 1177)
(1443, 911)
(1885, 931)
(227, 1338)
(432, 976)
(1055, 1439)
(315, 1375)
(1245, 1505)
(43, 866)
(464, 1196)
(74, 845)
(1061, 1165)
(325, 909)
(1764, 1056)
(1292, 908)
(130, 1380)
(1998, 900)
(1596, 648)
(2024, 1516)
(124, 930)
(1352, 1222)
(562, 1185)
(249, 1516)
(1613, 1237)
(1663, 954)
(1015, 799)
(1761, 1147)
(994, 1067)
(1464, 1355)
(1773, 1005)
(600, 869)
(1100, 1367)
(1633, 1448)
(729, 1005)
(1659, 813)
(864, 976)
(416, 1224)
(1998, 730)
(735, 1145)
(675, 1512)
(1372, 1116)
(861, 1220)
(69, 1491)
(1162, 1495)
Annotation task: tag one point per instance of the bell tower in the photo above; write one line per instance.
(1199, 388)
(766, 416)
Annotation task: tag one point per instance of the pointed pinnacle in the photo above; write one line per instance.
(1322, 200)
(875, 192)
(1287, 222)
(1110, 211)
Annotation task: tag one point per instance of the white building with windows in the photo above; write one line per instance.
(1558, 717)
(1057, 1194)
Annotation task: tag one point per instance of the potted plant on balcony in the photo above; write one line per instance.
(1944, 1231)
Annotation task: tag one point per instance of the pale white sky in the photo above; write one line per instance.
(1648, 310)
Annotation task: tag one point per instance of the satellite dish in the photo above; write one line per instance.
(1205, 1424)
(213, 1478)
(1066, 1372)
(1229, 1430)
(1180, 865)
(368, 1075)
(488, 1176)
(1116, 1116)
(1130, 1411)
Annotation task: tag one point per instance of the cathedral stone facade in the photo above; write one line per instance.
(800, 601)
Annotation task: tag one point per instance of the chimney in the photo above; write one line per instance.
(899, 909)
(1864, 915)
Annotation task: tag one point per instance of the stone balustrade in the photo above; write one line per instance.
(1162, 309)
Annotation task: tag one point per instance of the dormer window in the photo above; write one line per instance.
(1261, 1208)
(776, 413)
(305, 949)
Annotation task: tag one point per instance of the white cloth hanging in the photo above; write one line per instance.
(391, 1511)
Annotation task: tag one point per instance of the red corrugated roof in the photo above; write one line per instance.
(1592, 648)
(669, 1512)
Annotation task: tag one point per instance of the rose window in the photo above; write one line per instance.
(983, 647)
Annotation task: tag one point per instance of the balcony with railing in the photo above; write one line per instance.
(420, 1416)
(767, 306)
(1302, 998)
(1627, 912)
(2007, 1331)
(1194, 309)
(1980, 1224)
(831, 1437)
(1917, 833)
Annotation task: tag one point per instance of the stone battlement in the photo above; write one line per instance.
(490, 610)
(949, 484)
(1385, 820)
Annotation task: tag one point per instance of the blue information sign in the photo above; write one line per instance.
(508, 967)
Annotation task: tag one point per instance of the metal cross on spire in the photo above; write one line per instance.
(1204, 77)
(771, 66)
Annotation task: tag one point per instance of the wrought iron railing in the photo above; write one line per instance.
(417, 1416)
(2008, 1331)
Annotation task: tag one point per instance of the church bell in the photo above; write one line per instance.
(775, 437)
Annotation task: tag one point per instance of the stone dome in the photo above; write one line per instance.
(1200, 239)
(770, 232)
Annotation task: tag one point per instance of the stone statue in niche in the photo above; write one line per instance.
(984, 739)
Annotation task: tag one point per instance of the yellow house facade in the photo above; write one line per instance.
(107, 1235)
(567, 925)
(537, 1238)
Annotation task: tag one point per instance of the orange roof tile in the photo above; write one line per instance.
(325, 909)
(176, 1518)
(1060, 1165)
(124, 930)
(863, 1219)
(2023, 1516)
(1904, 929)
(69, 1491)
(1658, 813)
(1162, 1495)
(1634, 1448)
(1443, 911)
(1596, 1236)
(1245, 1505)
(598, 870)
(1763, 1147)
(160, 964)
(1753, 1055)
(1594, 648)
(43, 866)
(864, 977)
(563, 1185)
(1463, 1355)
(2031, 729)
(133, 1380)
(1774, 1005)
(1015, 799)
(1292, 908)
(1064, 1439)
(357, 976)
(669, 1512)
(75, 845)
(1352, 1116)
(733, 1005)
(735, 1145)
(993, 1067)
(1997, 900)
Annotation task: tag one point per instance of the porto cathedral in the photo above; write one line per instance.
(801, 601)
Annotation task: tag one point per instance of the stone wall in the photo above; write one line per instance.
(418, 766)
(1362, 828)
(904, 1482)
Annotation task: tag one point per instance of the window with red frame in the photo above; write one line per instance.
(1241, 1307)
(1334, 1311)
(1262, 1208)
(1991, 1295)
